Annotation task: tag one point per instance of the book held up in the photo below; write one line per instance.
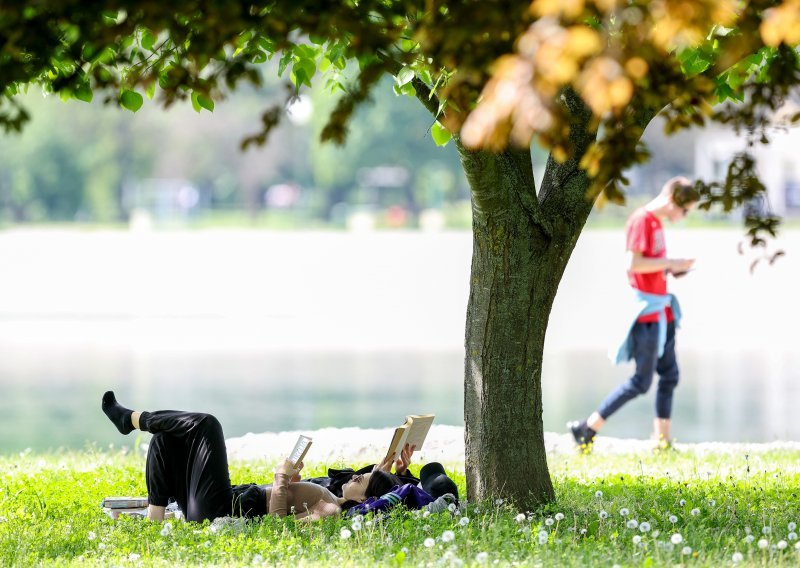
(300, 449)
(413, 432)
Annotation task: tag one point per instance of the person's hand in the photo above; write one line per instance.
(289, 469)
(402, 463)
(680, 266)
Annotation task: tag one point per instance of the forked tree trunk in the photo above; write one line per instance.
(521, 245)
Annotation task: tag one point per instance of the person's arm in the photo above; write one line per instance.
(280, 488)
(155, 512)
(640, 264)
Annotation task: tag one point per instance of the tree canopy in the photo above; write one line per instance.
(497, 72)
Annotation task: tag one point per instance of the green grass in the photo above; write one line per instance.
(49, 514)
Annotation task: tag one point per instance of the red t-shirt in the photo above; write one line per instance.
(645, 234)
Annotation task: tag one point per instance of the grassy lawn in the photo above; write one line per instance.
(632, 510)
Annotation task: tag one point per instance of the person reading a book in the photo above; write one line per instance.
(187, 461)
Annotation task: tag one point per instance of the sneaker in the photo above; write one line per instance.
(584, 436)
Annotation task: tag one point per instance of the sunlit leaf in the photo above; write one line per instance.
(131, 100)
(440, 134)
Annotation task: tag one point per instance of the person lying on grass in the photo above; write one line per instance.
(187, 461)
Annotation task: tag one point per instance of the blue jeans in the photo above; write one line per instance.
(645, 352)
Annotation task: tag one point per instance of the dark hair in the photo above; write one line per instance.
(683, 193)
(380, 483)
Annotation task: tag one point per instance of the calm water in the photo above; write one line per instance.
(51, 398)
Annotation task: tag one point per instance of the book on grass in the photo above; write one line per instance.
(413, 431)
(124, 502)
(300, 449)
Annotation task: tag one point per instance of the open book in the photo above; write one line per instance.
(413, 432)
(124, 503)
(300, 449)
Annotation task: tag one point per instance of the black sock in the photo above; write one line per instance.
(118, 414)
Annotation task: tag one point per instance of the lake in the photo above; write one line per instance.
(285, 331)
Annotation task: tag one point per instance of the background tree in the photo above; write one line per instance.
(583, 77)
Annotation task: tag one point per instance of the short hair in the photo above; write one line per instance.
(681, 190)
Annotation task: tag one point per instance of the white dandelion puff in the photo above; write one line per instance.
(482, 557)
(632, 523)
(448, 536)
(682, 502)
(451, 507)
(686, 550)
(737, 557)
(749, 538)
(792, 526)
(677, 538)
(762, 544)
(91, 535)
(498, 502)
(797, 546)
(559, 516)
(464, 521)
(782, 544)
(520, 518)
(673, 519)
(624, 512)
(429, 542)
(766, 530)
(101, 546)
(133, 557)
(598, 494)
(257, 559)
(603, 515)
(695, 512)
(792, 536)
(549, 522)
(636, 539)
(356, 526)
(345, 534)
(644, 527)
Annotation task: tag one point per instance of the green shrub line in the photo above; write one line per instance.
(664, 509)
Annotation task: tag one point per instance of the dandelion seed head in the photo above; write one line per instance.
(797, 546)
(482, 557)
(682, 502)
(712, 502)
(559, 516)
(429, 542)
(520, 518)
(636, 539)
(792, 526)
(749, 538)
(91, 535)
(673, 519)
(747, 530)
(632, 523)
(344, 534)
(498, 502)
(695, 512)
(583, 531)
(549, 521)
(598, 494)
(686, 550)
(624, 512)
(677, 538)
(603, 515)
(782, 544)
(451, 507)
(644, 527)
(426, 514)
(102, 546)
(257, 559)
(762, 544)
(464, 521)
(766, 530)
(448, 536)
(737, 557)
(792, 536)
(356, 526)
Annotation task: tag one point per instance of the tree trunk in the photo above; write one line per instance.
(521, 245)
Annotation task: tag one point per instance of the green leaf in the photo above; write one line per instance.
(150, 91)
(131, 100)
(440, 134)
(408, 45)
(196, 103)
(148, 40)
(406, 75)
(318, 40)
(258, 57)
(324, 64)
(284, 62)
(84, 93)
(303, 70)
(205, 102)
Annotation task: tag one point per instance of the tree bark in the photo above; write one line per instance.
(521, 245)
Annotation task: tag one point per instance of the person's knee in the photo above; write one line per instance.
(640, 384)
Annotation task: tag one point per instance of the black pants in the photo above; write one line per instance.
(187, 461)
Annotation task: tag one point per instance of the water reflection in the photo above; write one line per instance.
(51, 399)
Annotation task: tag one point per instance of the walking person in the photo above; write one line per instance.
(650, 340)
